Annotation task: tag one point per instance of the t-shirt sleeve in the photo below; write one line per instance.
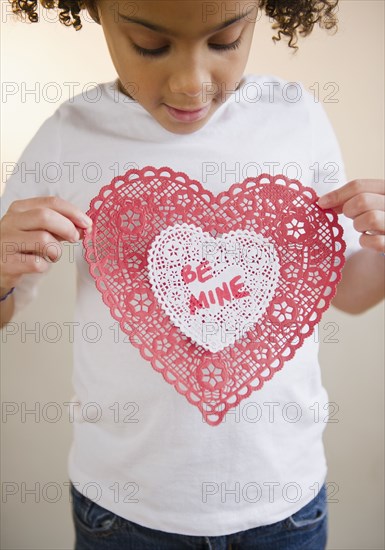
(31, 176)
(327, 167)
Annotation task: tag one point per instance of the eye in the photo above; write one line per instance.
(161, 51)
(223, 47)
(151, 53)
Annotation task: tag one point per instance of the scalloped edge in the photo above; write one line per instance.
(230, 193)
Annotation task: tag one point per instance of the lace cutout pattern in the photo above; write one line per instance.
(216, 292)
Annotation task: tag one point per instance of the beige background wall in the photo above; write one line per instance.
(35, 373)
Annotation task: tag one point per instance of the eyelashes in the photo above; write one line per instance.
(226, 47)
(161, 51)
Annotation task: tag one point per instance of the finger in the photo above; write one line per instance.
(48, 220)
(81, 233)
(374, 220)
(63, 207)
(18, 264)
(362, 203)
(40, 243)
(375, 242)
(349, 190)
(337, 209)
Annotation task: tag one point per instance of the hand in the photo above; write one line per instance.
(31, 231)
(364, 202)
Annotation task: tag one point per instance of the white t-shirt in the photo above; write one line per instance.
(149, 457)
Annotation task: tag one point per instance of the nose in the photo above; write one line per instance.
(188, 78)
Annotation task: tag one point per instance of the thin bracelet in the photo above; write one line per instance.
(7, 294)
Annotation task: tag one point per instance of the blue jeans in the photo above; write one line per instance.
(99, 529)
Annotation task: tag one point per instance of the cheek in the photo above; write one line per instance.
(230, 70)
(148, 83)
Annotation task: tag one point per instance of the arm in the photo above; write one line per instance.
(6, 309)
(363, 276)
(363, 282)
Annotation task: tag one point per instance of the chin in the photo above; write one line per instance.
(184, 128)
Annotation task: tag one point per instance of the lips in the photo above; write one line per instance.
(193, 110)
(184, 115)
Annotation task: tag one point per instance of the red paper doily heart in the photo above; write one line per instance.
(134, 209)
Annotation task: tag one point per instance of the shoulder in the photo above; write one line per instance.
(272, 89)
(88, 97)
(282, 99)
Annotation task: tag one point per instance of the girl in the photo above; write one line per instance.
(181, 100)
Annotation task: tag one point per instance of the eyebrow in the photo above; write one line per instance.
(159, 28)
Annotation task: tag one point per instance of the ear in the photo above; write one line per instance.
(91, 7)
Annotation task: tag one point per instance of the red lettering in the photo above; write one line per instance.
(202, 272)
(188, 274)
(211, 297)
(202, 269)
(203, 299)
(199, 303)
(236, 288)
(223, 293)
(194, 305)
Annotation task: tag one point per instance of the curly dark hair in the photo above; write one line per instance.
(291, 17)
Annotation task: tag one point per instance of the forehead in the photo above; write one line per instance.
(182, 17)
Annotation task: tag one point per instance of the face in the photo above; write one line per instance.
(178, 58)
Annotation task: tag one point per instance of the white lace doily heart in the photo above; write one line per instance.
(213, 289)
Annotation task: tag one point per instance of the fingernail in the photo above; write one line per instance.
(86, 220)
(324, 201)
(76, 236)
